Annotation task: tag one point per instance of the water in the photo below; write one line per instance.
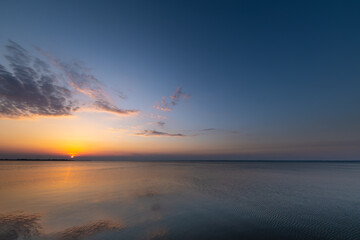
(189, 200)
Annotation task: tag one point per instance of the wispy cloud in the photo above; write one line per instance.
(30, 87)
(154, 133)
(178, 94)
(81, 79)
(167, 103)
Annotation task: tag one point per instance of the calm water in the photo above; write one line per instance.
(139, 200)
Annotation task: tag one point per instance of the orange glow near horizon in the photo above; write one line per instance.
(88, 134)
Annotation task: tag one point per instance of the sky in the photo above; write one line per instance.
(224, 80)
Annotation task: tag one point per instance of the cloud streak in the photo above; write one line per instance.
(208, 129)
(105, 106)
(30, 87)
(154, 133)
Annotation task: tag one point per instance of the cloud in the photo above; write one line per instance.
(81, 79)
(167, 105)
(30, 87)
(108, 107)
(121, 95)
(208, 129)
(177, 95)
(160, 123)
(154, 133)
(163, 106)
(219, 130)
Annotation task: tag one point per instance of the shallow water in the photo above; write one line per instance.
(189, 200)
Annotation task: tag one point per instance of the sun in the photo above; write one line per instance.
(72, 155)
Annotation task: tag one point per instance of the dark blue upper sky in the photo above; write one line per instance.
(272, 79)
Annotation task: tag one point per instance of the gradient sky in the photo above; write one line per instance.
(180, 79)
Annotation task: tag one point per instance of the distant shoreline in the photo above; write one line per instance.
(187, 161)
(43, 160)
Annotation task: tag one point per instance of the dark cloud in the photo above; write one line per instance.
(219, 130)
(208, 129)
(151, 133)
(161, 123)
(165, 105)
(30, 89)
(108, 107)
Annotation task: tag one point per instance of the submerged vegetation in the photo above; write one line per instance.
(25, 226)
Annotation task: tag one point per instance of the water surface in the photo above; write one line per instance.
(174, 200)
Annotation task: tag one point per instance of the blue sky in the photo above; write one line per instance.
(280, 77)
